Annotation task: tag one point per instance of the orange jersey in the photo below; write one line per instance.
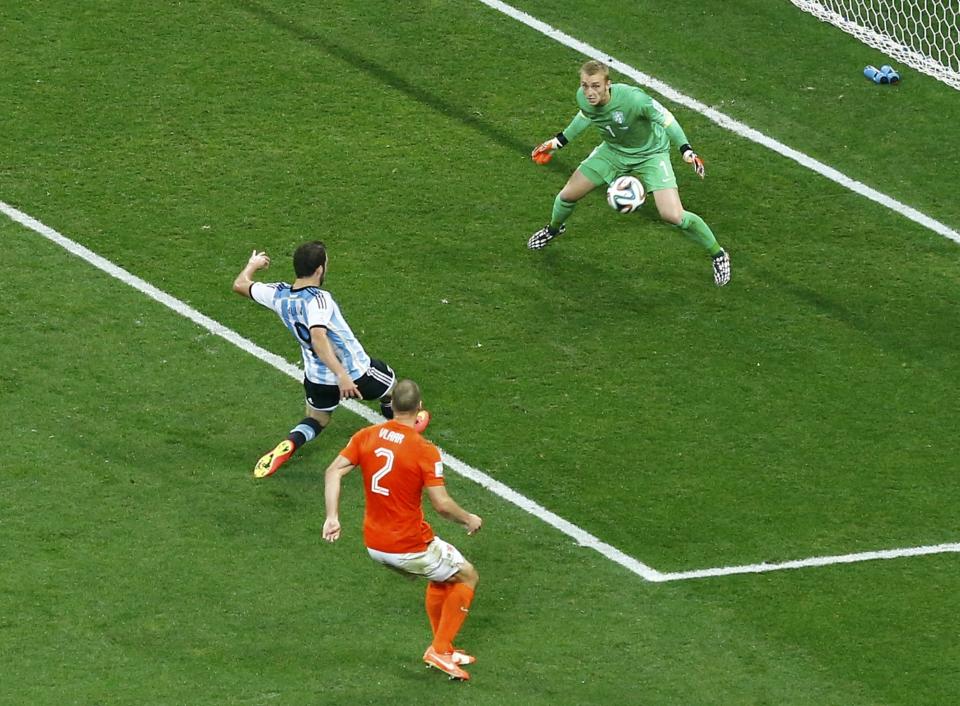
(396, 463)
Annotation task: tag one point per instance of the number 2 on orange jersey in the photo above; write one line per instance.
(378, 476)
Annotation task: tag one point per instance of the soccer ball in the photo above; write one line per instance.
(626, 194)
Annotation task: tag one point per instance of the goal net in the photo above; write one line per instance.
(924, 34)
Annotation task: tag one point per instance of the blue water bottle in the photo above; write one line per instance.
(890, 73)
(872, 73)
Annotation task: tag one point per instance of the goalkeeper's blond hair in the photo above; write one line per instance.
(592, 68)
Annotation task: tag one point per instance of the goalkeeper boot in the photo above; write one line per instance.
(721, 268)
(544, 235)
(270, 462)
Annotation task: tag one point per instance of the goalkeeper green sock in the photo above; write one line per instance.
(561, 212)
(699, 232)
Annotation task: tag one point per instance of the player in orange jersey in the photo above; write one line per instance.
(397, 464)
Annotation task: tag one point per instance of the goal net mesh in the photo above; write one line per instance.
(924, 34)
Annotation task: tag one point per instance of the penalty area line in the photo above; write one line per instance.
(725, 121)
(578, 534)
(812, 561)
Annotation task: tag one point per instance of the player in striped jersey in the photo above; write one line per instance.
(335, 364)
(637, 134)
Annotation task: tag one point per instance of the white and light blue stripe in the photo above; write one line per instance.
(302, 309)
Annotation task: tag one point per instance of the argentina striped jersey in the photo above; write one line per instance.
(303, 309)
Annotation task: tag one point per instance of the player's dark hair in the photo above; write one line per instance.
(308, 257)
(406, 396)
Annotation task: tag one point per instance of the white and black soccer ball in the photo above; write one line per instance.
(626, 194)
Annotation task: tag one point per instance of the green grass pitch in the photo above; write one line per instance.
(808, 409)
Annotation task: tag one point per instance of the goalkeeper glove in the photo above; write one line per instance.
(691, 157)
(543, 153)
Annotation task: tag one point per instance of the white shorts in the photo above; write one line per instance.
(438, 562)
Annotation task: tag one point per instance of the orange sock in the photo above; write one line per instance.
(455, 610)
(436, 595)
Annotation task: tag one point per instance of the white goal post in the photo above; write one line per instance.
(924, 34)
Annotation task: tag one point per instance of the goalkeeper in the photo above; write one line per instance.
(637, 133)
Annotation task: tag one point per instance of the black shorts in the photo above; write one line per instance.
(373, 384)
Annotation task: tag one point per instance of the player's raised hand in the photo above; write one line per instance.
(691, 157)
(259, 260)
(543, 152)
(331, 530)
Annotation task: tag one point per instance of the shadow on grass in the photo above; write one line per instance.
(385, 75)
(910, 331)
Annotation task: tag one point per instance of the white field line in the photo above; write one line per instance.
(812, 561)
(579, 535)
(725, 121)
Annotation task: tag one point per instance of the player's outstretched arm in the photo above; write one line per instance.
(691, 157)
(331, 496)
(447, 508)
(257, 261)
(543, 152)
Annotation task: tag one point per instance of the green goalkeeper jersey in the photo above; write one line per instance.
(631, 122)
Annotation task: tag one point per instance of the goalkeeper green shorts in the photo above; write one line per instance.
(605, 164)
